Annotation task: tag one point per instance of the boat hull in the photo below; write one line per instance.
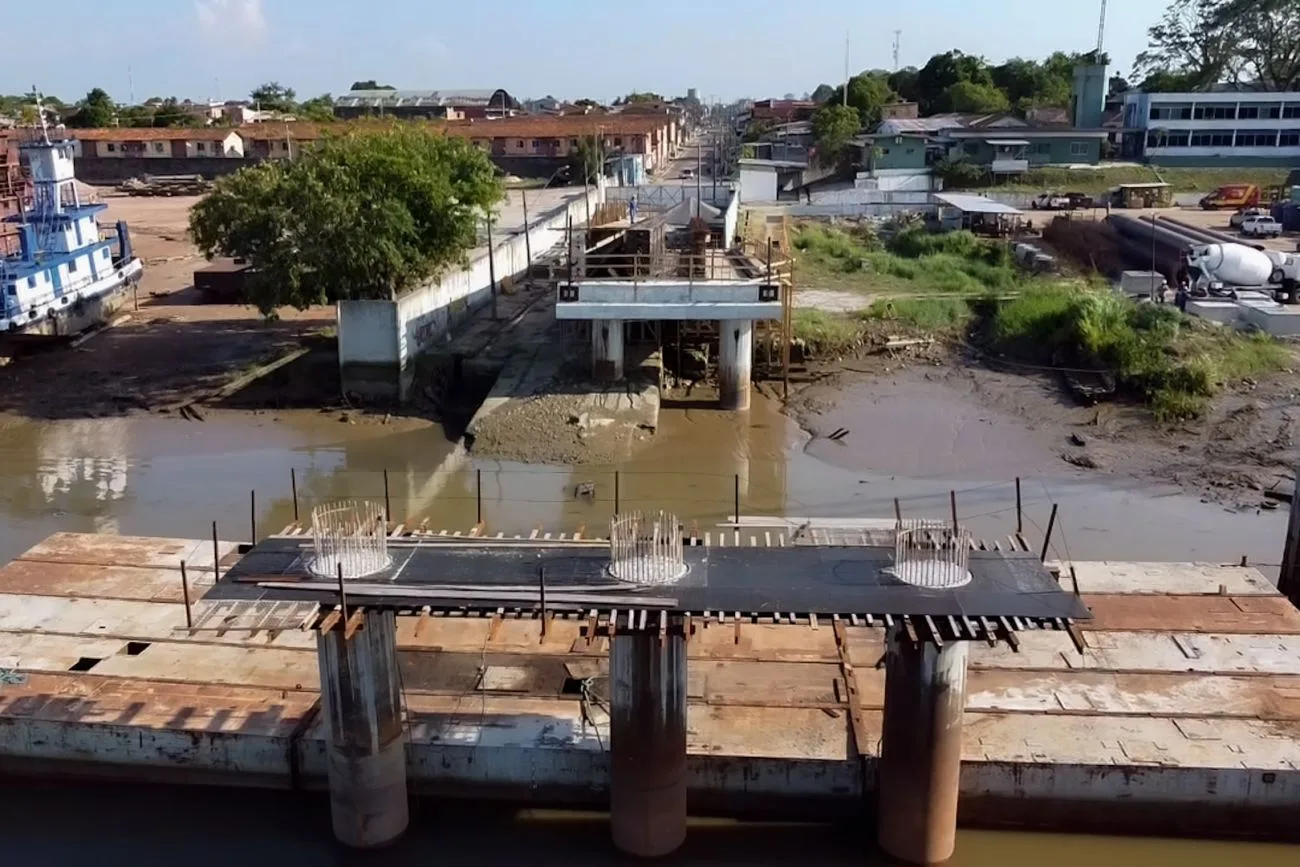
(97, 305)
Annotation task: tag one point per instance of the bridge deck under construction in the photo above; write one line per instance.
(1182, 712)
(1009, 591)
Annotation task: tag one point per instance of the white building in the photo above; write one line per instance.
(1207, 129)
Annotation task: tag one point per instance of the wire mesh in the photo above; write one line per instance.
(351, 535)
(646, 548)
(931, 555)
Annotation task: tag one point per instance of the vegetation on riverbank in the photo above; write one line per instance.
(960, 287)
(1098, 180)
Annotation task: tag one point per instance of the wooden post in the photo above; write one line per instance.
(898, 511)
(185, 594)
(1288, 579)
(736, 495)
(388, 503)
(541, 588)
(293, 485)
(216, 555)
(1020, 515)
(1047, 537)
(478, 493)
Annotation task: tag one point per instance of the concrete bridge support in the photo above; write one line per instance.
(735, 362)
(647, 678)
(920, 755)
(361, 701)
(607, 349)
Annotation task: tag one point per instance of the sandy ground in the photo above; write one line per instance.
(936, 410)
(171, 351)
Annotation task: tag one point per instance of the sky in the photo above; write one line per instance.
(569, 49)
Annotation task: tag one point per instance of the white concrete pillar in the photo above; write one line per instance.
(365, 750)
(647, 743)
(735, 362)
(607, 349)
(920, 751)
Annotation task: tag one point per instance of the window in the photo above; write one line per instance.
(1291, 110)
(1274, 112)
(1171, 112)
(520, 144)
(72, 267)
(1079, 149)
(31, 282)
(1043, 147)
(1215, 112)
(1168, 138)
(1208, 139)
(111, 148)
(11, 289)
(618, 142)
(158, 147)
(201, 147)
(573, 142)
(1247, 112)
(1256, 138)
(1289, 139)
(536, 144)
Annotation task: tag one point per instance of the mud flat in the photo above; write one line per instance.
(1180, 716)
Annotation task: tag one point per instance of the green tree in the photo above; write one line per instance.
(94, 112)
(171, 113)
(1267, 52)
(868, 92)
(584, 161)
(823, 93)
(636, 96)
(834, 126)
(365, 215)
(1192, 45)
(370, 84)
(976, 98)
(319, 109)
(274, 96)
(941, 72)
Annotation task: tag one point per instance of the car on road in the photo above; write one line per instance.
(687, 174)
(1261, 227)
(1238, 218)
(1050, 202)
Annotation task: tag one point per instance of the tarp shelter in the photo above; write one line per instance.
(976, 213)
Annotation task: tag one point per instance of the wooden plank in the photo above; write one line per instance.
(856, 722)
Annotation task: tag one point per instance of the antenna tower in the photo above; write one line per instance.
(898, 38)
(1101, 29)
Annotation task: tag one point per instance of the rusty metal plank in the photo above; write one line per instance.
(1255, 615)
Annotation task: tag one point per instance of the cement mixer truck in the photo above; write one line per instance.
(1214, 268)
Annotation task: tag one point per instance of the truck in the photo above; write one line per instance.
(1231, 196)
(1215, 268)
(1261, 226)
(1050, 202)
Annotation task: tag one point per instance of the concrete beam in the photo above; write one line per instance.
(715, 311)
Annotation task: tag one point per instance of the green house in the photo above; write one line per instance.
(1012, 150)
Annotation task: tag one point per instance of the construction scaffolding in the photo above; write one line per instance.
(12, 185)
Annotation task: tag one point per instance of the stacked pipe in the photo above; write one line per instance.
(1165, 254)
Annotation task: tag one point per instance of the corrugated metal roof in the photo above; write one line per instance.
(974, 204)
(404, 98)
(1007, 141)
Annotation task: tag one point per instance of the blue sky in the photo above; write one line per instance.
(568, 48)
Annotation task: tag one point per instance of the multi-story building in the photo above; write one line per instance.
(426, 104)
(1229, 128)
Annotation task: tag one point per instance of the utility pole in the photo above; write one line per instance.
(846, 70)
(492, 266)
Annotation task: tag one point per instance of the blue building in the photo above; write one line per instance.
(65, 277)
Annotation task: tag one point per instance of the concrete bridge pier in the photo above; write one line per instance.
(607, 349)
(647, 734)
(920, 754)
(735, 362)
(361, 701)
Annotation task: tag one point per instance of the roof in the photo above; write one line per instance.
(774, 164)
(417, 98)
(569, 125)
(1007, 141)
(972, 204)
(131, 133)
(1018, 133)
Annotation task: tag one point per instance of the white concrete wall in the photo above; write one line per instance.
(423, 316)
(731, 219)
(757, 185)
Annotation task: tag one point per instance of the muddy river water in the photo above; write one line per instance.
(168, 477)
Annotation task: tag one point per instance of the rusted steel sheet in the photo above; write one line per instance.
(110, 550)
(1259, 615)
(44, 578)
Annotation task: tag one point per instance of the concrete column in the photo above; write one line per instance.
(735, 362)
(607, 349)
(365, 751)
(920, 755)
(647, 743)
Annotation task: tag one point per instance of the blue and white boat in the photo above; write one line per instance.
(66, 277)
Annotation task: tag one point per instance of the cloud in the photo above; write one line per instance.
(238, 18)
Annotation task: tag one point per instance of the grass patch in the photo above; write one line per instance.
(825, 333)
(923, 314)
(1183, 180)
(1172, 361)
(912, 261)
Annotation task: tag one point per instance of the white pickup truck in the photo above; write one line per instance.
(1261, 227)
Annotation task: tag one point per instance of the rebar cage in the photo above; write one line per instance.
(646, 548)
(349, 538)
(931, 555)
